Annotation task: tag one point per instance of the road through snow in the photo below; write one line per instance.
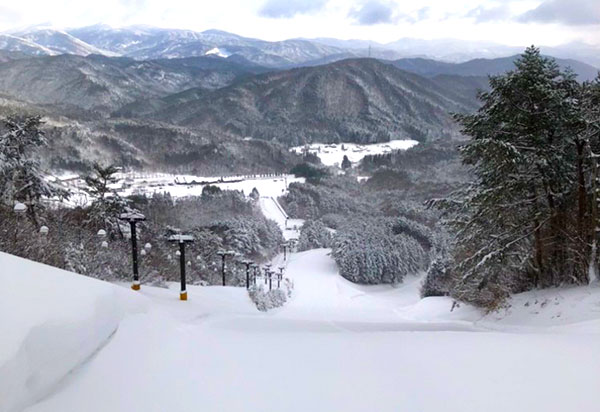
(335, 347)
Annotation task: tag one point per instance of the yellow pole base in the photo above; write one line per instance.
(135, 286)
(183, 296)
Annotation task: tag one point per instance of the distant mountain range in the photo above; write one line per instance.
(217, 102)
(484, 67)
(139, 87)
(143, 42)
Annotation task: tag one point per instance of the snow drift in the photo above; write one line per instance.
(51, 321)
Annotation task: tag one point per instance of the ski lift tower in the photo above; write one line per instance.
(182, 240)
(133, 218)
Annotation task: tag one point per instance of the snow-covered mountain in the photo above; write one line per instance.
(145, 42)
(12, 43)
(60, 42)
(141, 42)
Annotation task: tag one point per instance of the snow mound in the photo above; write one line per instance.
(51, 321)
(568, 309)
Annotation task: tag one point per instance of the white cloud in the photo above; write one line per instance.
(309, 18)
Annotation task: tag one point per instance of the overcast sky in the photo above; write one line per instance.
(512, 22)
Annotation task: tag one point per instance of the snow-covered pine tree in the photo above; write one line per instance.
(515, 223)
(21, 177)
(313, 235)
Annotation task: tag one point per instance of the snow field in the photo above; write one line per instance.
(51, 321)
(136, 183)
(332, 154)
(335, 346)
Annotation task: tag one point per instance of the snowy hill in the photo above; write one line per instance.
(335, 346)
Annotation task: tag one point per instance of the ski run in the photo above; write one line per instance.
(71, 343)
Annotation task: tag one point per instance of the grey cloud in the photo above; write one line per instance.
(483, 14)
(569, 12)
(374, 12)
(289, 8)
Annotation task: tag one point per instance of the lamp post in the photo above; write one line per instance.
(101, 235)
(285, 246)
(256, 269)
(293, 244)
(133, 218)
(267, 269)
(270, 274)
(248, 264)
(182, 240)
(19, 210)
(224, 254)
(280, 276)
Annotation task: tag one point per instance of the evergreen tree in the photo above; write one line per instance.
(21, 177)
(313, 235)
(346, 164)
(515, 224)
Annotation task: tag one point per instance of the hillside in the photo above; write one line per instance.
(105, 84)
(360, 100)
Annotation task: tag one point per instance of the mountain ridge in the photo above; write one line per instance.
(354, 100)
(147, 42)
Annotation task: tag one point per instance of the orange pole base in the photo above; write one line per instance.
(135, 286)
(183, 296)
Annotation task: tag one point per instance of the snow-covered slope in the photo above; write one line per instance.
(271, 208)
(334, 346)
(51, 321)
